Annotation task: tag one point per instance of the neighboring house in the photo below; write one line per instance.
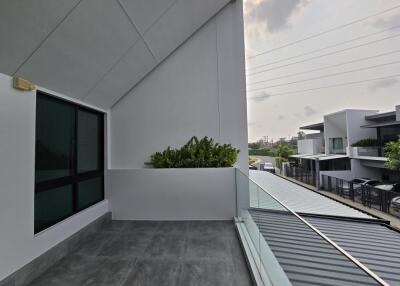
(330, 150)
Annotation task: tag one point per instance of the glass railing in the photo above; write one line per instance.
(253, 202)
(370, 151)
(251, 196)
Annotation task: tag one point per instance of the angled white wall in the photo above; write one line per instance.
(198, 90)
(354, 120)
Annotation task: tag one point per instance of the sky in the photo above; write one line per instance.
(281, 63)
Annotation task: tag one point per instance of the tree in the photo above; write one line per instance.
(255, 145)
(282, 153)
(392, 152)
(301, 135)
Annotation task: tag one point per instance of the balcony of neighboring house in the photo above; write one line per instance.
(313, 143)
(387, 129)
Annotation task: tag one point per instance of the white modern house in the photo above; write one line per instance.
(335, 137)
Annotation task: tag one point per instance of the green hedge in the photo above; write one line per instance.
(204, 153)
(261, 152)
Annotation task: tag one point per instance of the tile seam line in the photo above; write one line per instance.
(141, 36)
(159, 63)
(218, 78)
(47, 37)
(123, 8)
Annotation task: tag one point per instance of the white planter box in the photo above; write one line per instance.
(172, 194)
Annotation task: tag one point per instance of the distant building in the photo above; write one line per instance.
(330, 151)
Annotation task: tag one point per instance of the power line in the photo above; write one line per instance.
(334, 85)
(325, 76)
(325, 32)
(327, 54)
(327, 47)
(326, 67)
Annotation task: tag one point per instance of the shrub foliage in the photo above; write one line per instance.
(392, 151)
(261, 152)
(203, 153)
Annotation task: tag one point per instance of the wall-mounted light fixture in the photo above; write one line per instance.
(22, 84)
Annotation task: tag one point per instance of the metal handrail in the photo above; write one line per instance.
(336, 246)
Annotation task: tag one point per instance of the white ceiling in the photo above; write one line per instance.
(95, 50)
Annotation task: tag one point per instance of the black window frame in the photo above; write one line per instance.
(75, 178)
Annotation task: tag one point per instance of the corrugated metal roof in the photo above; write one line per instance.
(306, 258)
(299, 199)
(374, 245)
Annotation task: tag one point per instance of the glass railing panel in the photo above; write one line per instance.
(268, 267)
(369, 151)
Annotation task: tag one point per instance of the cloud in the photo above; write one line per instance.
(261, 96)
(308, 110)
(281, 117)
(384, 83)
(269, 16)
(387, 22)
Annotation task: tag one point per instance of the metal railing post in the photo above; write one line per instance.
(329, 183)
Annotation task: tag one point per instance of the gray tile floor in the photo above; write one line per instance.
(129, 253)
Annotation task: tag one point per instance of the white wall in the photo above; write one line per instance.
(198, 90)
(173, 194)
(309, 146)
(334, 127)
(18, 245)
(359, 171)
(345, 175)
(356, 119)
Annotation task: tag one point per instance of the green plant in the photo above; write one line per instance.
(282, 153)
(255, 145)
(392, 152)
(261, 152)
(204, 153)
(369, 142)
(279, 161)
(252, 160)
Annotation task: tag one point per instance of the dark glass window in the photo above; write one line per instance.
(89, 192)
(55, 123)
(53, 205)
(69, 164)
(89, 127)
(389, 133)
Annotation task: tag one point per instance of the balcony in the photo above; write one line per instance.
(154, 253)
(374, 153)
(311, 146)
